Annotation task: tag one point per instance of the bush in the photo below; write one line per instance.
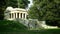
(53, 23)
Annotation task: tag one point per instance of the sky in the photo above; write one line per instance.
(30, 4)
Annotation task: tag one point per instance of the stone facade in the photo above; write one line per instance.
(13, 13)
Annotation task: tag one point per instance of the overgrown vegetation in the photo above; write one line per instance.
(47, 10)
(13, 3)
(14, 27)
(6, 25)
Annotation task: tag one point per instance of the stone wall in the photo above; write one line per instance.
(31, 23)
(35, 24)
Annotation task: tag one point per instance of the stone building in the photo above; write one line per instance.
(13, 13)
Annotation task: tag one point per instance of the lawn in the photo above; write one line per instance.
(47, 31)
(8, 26)
(11, 27)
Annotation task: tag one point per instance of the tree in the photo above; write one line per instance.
(45, 10)
(18, 3)
(13, 3)
(2, 8)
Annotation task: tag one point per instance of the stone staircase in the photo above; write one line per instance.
(31, 23)
(34, 23)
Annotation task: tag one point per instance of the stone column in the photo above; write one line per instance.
(11, 15)
(16, 15)
(19, 15)
(25, 15)
(22, 15)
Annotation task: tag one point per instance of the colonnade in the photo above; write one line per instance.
(18, 15)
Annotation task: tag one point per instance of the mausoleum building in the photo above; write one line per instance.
(13, 13)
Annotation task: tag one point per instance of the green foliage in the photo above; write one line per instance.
(13, 3)
(2, 8)
(53, 23)
(6, 25)
(45, 31)
(45, 10)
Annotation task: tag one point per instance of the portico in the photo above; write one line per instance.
(18, 15)
(14, 13)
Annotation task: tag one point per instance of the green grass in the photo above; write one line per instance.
(11, 27)
(46, 31)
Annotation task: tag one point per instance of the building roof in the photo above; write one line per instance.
(15, 9)
(18, 9)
